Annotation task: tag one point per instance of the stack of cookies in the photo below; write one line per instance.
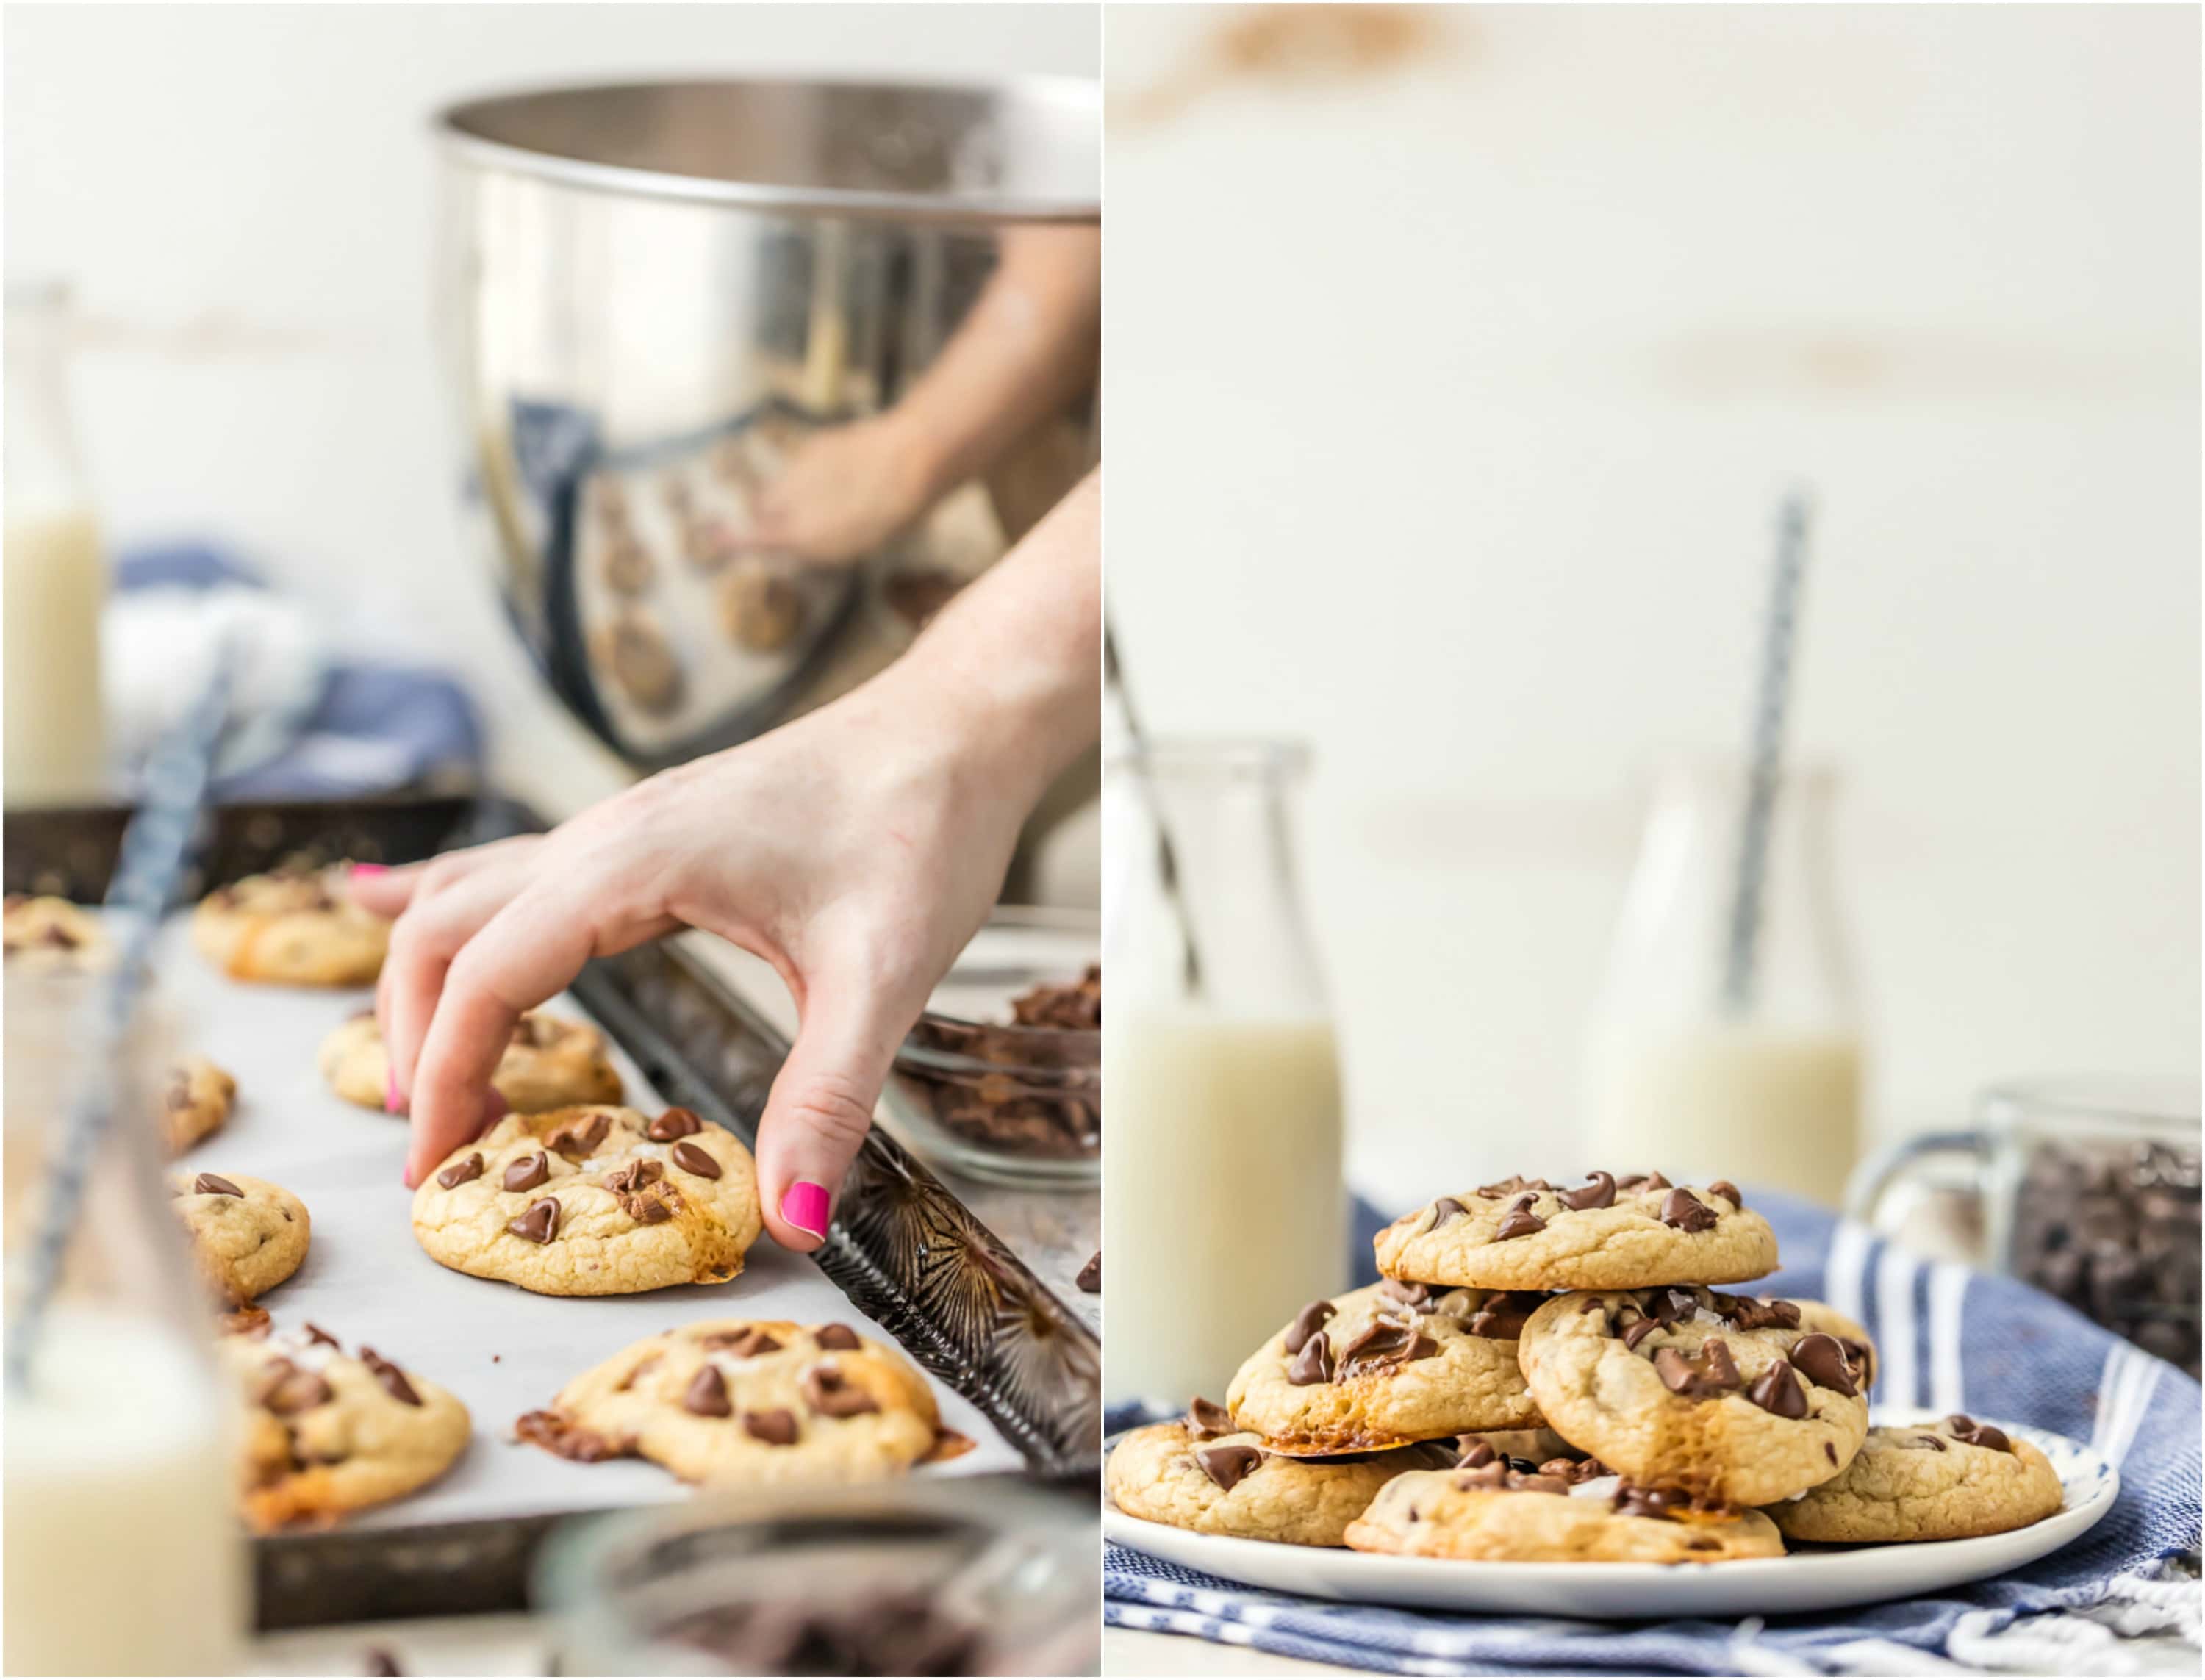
(1548, 1374)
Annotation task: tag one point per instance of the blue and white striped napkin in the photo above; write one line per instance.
(1949, 1338)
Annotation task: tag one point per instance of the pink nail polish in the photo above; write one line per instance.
(370, 869)
(804, 1205)
(392, 1102)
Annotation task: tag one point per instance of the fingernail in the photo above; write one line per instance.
(804, 1205)
(370, 869)
(392, 1102)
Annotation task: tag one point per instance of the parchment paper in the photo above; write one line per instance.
(501, 1349)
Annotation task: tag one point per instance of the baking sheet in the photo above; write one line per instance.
(501, 1349)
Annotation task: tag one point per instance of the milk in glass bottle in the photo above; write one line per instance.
(1223, 1206)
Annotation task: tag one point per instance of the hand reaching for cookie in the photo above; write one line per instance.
(856, 850)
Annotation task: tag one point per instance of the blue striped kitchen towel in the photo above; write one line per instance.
(1950, 1338)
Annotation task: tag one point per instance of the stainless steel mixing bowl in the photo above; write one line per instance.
(657, 298)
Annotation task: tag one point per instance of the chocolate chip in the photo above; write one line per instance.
(315, 1333)
(1962, 1427)
(1227, 1465)
(633, 1177)
(672, 1124)
(1638, 1332)
(1090, 1280)
(1206, 1418)
(1477, 1454)
(1409, 1294)
(1501, 1317)
(1307, 1322)
(1447, 1208)
(1519, 1222)
(646, 1210)
(208, 1183)
(1934, 1443)
(1821, 1360)
(461, 1172)
(540, 1223)
(839, 1337)
(1711, 1372)
(1384, 1342)
(392, 1379)
(1728, 1191)
(1660, 1502)
(1599, 1193)
(1686, 1211)
(746, 1342)
(1777, 1390)
(832, 1395)
(284, 1388)
(777, 1427)
(527, 1172)
(1638, 1182)
(1747, 1314)
(707, 1393)
(578, 1142)
(1829, 1452)
(691, 1159)
(1674, 1306)
(1512, 1186)
(1862, 1359)
(1312, 1364)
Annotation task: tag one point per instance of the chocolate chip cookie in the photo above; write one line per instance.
(292, 928)
(1384, 1366)
(748, 1400)
(551, 1063)
(247, 1234)
(195, 1100)
(44, 932)
(1199, 1473)
(760, 607)
(326, 1433)
(1733, 1400)
(1498, 1512)
(594, 1200)
(642, 663)
(1610, 1233)
(1948, 1481)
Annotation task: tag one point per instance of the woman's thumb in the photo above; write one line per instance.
(821, 1108)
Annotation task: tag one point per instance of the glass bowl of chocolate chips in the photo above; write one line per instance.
(1002, 1077)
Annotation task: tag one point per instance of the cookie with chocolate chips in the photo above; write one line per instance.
(1629, 1233)
(196, 1099)
(551, 1063)
(593, 1199)
(1951, 1479)
(1203, 1474)
(46, 933)
(292, 928)
(246, 1234)
(733, 1401)
(761, 604)
(327, 1431)
(1498, 1512)
(1732, 1399)
(1384, 1366)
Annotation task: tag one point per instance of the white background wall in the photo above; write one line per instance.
(1446, 410)
(243, 195)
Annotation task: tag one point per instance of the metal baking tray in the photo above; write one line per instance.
(904, 1250)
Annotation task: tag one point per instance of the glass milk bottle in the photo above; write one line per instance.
(1224, 1208)
(123, 1550)
(56, 581)
(1710, 1057)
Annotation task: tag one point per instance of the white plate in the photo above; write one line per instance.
(1812, 1578)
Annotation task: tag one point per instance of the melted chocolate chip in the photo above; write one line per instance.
(1512, 1186)
(1747, 1314)
(1638, 1332)
(284, 1388)
(707, 1393)
(1777, 1390)
(1638, 1182)
(633, 1177)
(1673, 1306)
(1711, 1372)
(527, 1172)
(691, 1159)
(578, 1142)
(315, 1333)
(1446, 1208)
(540, 1223)
(392, 1379)
(1090, 1280)
(839, 1337)
(672, 1124)
(1502, 1317)
(1409, 1294)
(1728, 1191)
(1962, 1427)
(1933, 1443)
(1599, 1193)
(1228, 1466)
(1518, 1222)
(1829, 1452)
(1206, 1418)
(777, 1427)
(1686, 1211)
(1307, 1322)
(827, 1392)
(1661, 1502)
(1313, 1364)
(1384, 1342)
(1821, 1360)
(209, 1183)
(461, 1172)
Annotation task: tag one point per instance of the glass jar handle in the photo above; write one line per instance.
(1873, 1179)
